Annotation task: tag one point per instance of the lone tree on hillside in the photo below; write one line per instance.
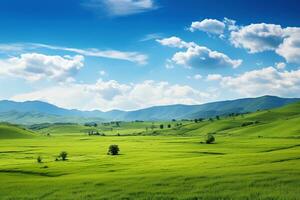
(63, 155)
(210, 138)
(169, 125)
(161, 126)
(113, 150)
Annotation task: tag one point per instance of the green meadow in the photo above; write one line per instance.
(254, 156)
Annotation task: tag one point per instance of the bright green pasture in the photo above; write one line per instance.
(124, 128)
(260, 160)
(150, 167)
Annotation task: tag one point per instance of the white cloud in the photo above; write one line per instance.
(131, 56)
(113, 54)
(175, 42)
(102, 73)
(208, 25)
(214, 77)
(34, 66)
(121, 7)
(263, 81)
(290, 47)
(200, 56)
(280, 65)
(258, 37)
(197, 76)
(230, 24)
(11, 47)
(263, 37)
(151, 36)
(197, 56)
(106, 95)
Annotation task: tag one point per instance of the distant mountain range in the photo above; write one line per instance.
(32, 112)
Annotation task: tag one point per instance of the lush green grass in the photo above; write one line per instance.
(8, 131)
(123, 128)
(258, 161)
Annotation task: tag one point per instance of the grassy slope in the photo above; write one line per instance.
(239, 166)
(125, 128)
(8, 131)
(281, 122)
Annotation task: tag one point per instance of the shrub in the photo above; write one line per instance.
(113, 150)
(161, 126)
(210, 139)
(169, 125)
(248, 123)
(63, 155)
(39, 159)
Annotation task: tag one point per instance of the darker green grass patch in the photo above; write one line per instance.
(281, 148)
(206, 153)
(30, 173)
(285, 160)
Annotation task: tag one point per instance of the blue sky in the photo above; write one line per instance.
(131, 54)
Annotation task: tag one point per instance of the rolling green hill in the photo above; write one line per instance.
(8, 131)
(280, 122)
(28, 118)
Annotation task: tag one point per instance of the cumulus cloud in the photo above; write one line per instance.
(34, 66)
(121, 7)
(263, 37)
(175, 42)
(263, 81)
(197, 56)
(258, 37)
(212, 26)
(290, 47)
(106, 95)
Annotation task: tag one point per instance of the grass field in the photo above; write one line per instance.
(260, 160)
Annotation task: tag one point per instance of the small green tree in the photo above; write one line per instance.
(63, 155)
(39, 159)
(161, 126)
(210, 139)
(113, 150)
(169, 125)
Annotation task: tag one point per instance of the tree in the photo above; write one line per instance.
(169, 125)
(218, 117)
(39, 159)
(161, 126)
(113, 150)
(210, 138)
(63, 155)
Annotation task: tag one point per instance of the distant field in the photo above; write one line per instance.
(255, 156)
